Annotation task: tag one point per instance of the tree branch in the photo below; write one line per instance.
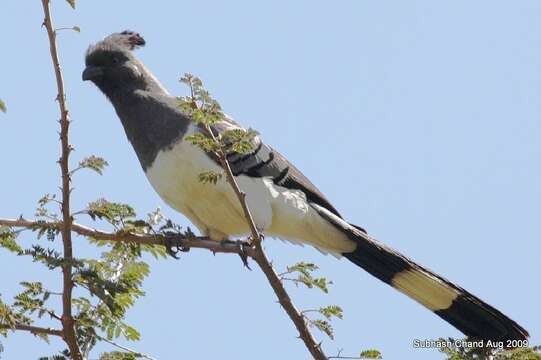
(134, 352)
(67, 317)
(179, 240)
(261, 259)
(33, 329)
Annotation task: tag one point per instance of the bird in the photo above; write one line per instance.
(284, 203)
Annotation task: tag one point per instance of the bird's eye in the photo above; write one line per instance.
(116, 60)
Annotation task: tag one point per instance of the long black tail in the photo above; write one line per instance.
(463, 310)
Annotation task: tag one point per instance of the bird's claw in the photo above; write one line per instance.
(243, 254)
(173, 247)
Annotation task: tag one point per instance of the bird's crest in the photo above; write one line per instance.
(125, 40)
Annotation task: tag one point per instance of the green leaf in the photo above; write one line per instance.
(49, 257)
(323, 326)
(200, 106)
(45, 199)
(77, 29)
(72, 3)
(32, 288)
(131, 333)
(239, 140)
(45, 228)
(370, 354)
(10, 318)
(3, 107)
(209, 177)
(114, 213)
(330, 311)
(7, 240)
(95, 163)
(302, 267)
(43, 213)
(204, 142)
(322, 283)
(118, 355)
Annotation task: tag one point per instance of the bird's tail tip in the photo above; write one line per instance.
(463, 310)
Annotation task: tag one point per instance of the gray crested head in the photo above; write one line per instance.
(112, 66)
(150, 116)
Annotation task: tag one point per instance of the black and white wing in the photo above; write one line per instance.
(264, 161)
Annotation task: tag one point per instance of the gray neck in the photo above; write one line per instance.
(151, 120)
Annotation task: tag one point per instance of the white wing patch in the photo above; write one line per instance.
(216, 211)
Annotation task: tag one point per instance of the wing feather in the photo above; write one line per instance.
(264, 161)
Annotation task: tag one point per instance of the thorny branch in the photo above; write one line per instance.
(34, 329)
(261, 259)
(179, 241)
(67, 318)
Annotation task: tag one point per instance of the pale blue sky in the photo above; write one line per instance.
(418, 119)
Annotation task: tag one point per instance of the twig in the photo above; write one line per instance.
(34, 329)
(67, 318)
(287, 304)
(339, 356)
(162, 240)
(261, 259)
(137, 353)
(256, 236)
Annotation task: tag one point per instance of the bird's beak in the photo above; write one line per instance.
(92, 72)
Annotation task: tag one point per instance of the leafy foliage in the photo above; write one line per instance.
(10, 318)
(46, 228)
(203, 142)
(42, 211)
(304, 276)
(206, 111)
(209, 177)
(32, 299)
(324, 326)
(47, 256)
(238, 140)
(114, 213)
(117, 355)
(95, 163)
(330, 311)
(55, 357)
(370, 354)
(115, 280)
(8, 240)
(200, 106)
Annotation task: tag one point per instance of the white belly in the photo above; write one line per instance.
(216, 211)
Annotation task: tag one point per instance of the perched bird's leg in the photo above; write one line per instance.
(173, 248)
(172, 244)
(261, 237)
(242, 249)
(243, 253)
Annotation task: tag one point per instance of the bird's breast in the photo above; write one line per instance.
(174, 174)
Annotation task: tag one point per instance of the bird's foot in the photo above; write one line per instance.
(243, 253)
(261, 237)
(172, 247)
